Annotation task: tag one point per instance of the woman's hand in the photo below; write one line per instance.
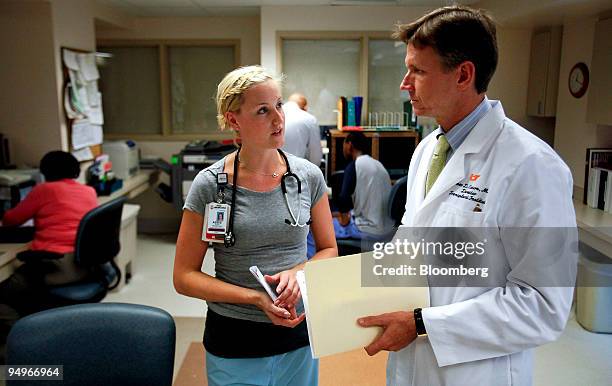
(278, 315)
(287, 288)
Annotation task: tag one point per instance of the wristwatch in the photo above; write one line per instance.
(418, 321)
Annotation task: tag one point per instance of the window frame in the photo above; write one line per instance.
(364, 38)
(165, 102)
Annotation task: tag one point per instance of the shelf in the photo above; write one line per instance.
(595, 227)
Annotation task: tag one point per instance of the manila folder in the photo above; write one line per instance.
(334, 299)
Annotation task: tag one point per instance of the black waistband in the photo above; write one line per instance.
(236, 338)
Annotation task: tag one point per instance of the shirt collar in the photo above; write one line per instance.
(457, 134)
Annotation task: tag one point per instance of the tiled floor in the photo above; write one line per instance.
(577, 358)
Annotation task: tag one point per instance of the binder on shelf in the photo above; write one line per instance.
(595, 158)
(608, 193)
(593, 188)
(350, 106)
(344, 111)
(601, 188)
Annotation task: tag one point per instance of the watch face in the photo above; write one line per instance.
(578, 80)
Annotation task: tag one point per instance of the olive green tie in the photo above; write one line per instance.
(438, 160)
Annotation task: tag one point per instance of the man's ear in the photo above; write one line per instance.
(466, 78)
(230, 117)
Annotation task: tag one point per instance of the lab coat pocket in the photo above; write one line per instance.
(452, 216)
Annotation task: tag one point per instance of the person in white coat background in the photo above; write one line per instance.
(477, 335)
(302, 136)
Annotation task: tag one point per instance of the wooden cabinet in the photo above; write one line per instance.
(392, 148)
(599, 105)
(544, 72)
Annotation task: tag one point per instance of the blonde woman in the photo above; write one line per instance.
(274, 199)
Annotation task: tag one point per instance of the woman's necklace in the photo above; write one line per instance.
(273, 175)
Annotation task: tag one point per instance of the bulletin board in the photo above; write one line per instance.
(82, 103)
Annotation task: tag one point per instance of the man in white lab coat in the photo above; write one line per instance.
(302, 136)
(478, 169)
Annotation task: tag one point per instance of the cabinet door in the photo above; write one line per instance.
(544, 72)
(538, 73)
(599, 105)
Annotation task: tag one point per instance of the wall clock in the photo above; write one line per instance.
(578, 80)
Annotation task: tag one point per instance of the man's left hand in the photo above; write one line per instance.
(399, 330)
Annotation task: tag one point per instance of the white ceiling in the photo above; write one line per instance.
(245, 7)
(508, 12)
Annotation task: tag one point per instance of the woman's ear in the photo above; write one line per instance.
(230, 117)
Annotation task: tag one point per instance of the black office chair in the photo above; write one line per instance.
(97, 344)
(397, 200)
(345, 246)
(97, 244)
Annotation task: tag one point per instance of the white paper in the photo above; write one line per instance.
(334, 299)
(70, 59)
(70, 111)
(97, 134)
(82, 96)
(85, 134)
(87, 64)
(95, 116)
(83, 154)
(93, 96)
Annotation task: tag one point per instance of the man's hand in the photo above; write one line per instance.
(399, 330)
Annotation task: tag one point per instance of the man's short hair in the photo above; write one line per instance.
(458, 34)
(358, 140)
(57, 165)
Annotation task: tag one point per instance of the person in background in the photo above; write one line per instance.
(478, 170)
(57, 207)
(302, 136)
(362, 202)
(250, 339)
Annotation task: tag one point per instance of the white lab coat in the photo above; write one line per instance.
(485, 336)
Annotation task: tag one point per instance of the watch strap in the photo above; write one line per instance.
(418, 321)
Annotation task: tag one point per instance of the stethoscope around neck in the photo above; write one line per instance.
(229, 239)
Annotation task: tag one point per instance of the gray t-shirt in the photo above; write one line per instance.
(262, 236)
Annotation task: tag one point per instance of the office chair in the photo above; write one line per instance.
(335, 182)
(97, 243)
(397, 200)
(345, 246)
(97, 344)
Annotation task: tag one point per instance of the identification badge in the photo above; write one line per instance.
(216, 220)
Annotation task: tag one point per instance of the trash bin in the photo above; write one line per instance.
(594, 290)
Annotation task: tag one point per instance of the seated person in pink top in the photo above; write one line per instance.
(56, 206)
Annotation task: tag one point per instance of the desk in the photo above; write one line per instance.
(132, 186)
(7, 258)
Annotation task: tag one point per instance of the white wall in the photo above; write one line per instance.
(246, 29)
(508, 84)
(327, 18)
(73, 27)
(156, 215)
(573, 135)
(29, 116)
(32, 34)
